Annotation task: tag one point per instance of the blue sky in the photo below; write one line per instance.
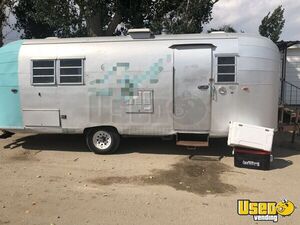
(243, 15)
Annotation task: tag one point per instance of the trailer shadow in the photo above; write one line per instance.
(280, 163)
(50, 142)
(155, 145)
(283, 147)
(145, 145)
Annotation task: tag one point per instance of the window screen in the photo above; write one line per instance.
(226, 69)
(71, 71)
(43, 72)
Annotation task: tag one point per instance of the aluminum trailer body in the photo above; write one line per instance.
(161, 85)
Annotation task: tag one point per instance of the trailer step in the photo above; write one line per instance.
(192, 140)
(193, 143)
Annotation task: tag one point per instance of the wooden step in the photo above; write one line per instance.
(192, 140)
(192, 143)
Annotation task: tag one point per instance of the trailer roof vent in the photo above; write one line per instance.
(142, 33)
(51, 38)
(218, 32)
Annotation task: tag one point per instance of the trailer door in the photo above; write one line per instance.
(192, 89)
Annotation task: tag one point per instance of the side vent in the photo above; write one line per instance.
(143, 33)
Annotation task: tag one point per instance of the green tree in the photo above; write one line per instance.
(272, 24)
(225, 28)
(181, 16)
(3, 17)
(40, 19)
(71, 18)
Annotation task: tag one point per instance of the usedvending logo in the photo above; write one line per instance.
(265, 211)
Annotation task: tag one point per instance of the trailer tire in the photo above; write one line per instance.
(102, 140)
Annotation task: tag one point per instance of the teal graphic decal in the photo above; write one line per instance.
(128, 84)
(10, 113)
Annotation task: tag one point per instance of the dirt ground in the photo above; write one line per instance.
(54, 179)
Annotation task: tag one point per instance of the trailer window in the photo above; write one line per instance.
(71, 71)
(226, 69)
(43, 72)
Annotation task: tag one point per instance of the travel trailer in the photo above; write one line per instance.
(188, 85)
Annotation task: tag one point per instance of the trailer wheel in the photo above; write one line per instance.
(103, 141)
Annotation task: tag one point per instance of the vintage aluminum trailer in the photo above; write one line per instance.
(188, 85)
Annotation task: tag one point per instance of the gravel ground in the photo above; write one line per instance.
(54, 179)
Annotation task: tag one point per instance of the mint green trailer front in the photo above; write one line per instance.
(10, 106)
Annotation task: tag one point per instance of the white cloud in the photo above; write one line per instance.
(247, 15)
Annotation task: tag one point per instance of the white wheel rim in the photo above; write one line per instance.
(102, 140)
